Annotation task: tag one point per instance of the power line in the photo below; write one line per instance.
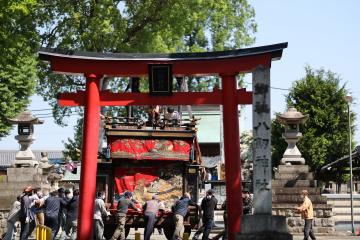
(42, 114)
(283, 89)
(277, 88)
(51, 116)
(47, 109)
(39, 110)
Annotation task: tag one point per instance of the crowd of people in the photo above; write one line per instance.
(56, 209)
(59, 210)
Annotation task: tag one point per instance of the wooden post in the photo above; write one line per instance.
(232, 154)
(89, 157)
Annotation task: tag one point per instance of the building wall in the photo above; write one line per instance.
(7, 157)
(342, 210)
(209, 123)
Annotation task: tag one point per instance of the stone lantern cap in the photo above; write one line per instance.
(292, 116)
(25, 117)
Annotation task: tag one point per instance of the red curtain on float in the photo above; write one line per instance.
(127, 178)
(151, 149)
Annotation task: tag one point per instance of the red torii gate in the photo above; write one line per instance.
(94, 66)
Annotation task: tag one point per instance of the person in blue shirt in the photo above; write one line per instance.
(180, 210)
(53, 206)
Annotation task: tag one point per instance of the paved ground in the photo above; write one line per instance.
(344, 237)
(156, 236)
(340, 236)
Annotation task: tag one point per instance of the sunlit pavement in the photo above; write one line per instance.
(156, 236)
(339, 236)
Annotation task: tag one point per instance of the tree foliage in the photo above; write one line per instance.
(246, 153)
(18, 41)
(137, 26)
(325, 135)
(73, 146)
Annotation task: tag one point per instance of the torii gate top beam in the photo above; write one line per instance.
(183, 64)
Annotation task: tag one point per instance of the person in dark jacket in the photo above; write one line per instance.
(247, 202)
(64, 225)
(27, 218)
(208, 205)
(180, 210)
(62, 212)
(53, 204)
(72, 215)
(123, 205)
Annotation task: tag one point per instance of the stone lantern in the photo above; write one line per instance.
(292, 119)
(25, 122)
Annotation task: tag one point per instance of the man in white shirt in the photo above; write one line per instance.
(99, 213)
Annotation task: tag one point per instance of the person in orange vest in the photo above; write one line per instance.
(307, 213)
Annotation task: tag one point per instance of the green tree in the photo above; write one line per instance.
(325, 135)
(246, 142)
(73, 146)
(137, 26)
(18, 41)
(278, 143)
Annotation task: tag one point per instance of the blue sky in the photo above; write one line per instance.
(322, 33)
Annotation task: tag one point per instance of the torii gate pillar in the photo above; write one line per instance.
(232, 154)
(89, 155)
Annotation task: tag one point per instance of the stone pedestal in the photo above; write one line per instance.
(264, 227)
(292, 153)
(287, 185)
(25, 157)
(15, 182)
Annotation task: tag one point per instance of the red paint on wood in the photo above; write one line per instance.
(232, 156)
(128, 68)
(139, 99)
(89, 157)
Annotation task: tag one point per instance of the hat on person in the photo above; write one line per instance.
(28, 189)
(304, 192)
(128, 194)
(210, 191)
